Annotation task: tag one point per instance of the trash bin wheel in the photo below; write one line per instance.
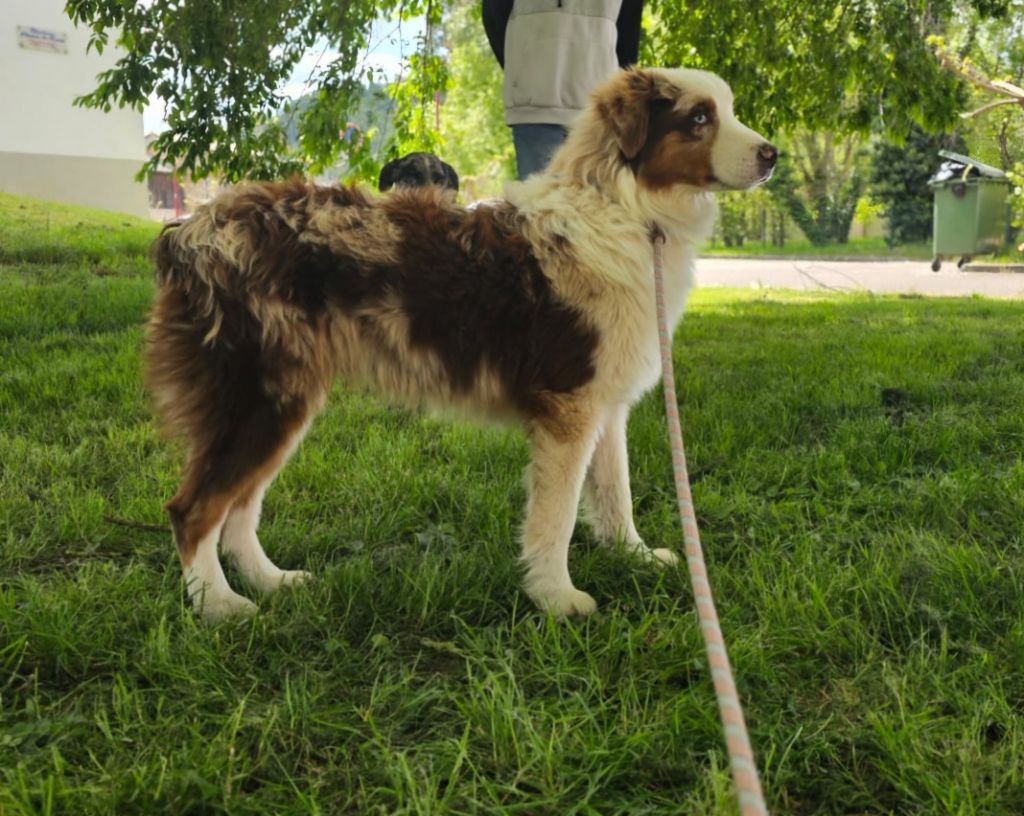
(936, 264)
(966, 259)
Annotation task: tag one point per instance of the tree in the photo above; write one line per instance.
(476, 139)
(418, 96)
(991, 59)
(820, 64)
(830, 68)
(818, 182)
(218, 66)
(750, 215)
(899, 180)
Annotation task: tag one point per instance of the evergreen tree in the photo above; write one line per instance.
(899, 181)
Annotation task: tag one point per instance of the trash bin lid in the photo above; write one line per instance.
(976, 167)
(951, 171)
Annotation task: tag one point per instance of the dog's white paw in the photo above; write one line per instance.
(565, 601)
(293, 577)
(660, 557)
(271, 581)
(216, 608)
(663, 557)
(287, 578)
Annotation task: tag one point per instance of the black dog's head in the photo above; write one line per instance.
(418, 170)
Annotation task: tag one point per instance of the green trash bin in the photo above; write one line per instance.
(969, 211)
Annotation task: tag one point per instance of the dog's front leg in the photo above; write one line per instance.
(554, 482)
(607, 500)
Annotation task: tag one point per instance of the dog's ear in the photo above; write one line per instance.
(625, 105)
(451, 178)
(388, 175)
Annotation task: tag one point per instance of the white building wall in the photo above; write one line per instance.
(48, 147)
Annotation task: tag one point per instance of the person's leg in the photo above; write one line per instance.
(535, 145)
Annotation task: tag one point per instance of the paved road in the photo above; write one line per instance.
(896, 277)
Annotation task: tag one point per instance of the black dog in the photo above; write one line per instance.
(418, 170)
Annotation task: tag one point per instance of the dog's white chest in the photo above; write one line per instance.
(630, 354)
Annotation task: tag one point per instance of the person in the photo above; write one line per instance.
(553, 53)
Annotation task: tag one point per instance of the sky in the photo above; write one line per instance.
(389, 41)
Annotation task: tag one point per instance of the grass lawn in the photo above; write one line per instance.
(802, 248)
(861, 495)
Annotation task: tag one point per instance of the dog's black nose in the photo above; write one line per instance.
(767, 155)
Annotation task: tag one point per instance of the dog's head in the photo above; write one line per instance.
(418, 170)
(676, 127)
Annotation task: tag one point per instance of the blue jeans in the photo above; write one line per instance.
(535, 145)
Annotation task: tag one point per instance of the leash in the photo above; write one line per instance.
(741, 755)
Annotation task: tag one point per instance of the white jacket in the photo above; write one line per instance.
(556, 52)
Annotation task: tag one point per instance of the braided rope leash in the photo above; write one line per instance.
(741, 755)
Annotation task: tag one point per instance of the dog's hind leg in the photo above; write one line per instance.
(555, 478)
(227, 467)
(197, 522)
(240, 542)
(607, 500)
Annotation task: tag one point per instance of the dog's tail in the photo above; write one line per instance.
(236, 310)
(188, 362)
(194, 258)
(212, 329)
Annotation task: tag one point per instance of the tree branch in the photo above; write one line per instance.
(963, 69)
(984, 108)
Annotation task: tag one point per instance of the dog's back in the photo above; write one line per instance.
(293, 283)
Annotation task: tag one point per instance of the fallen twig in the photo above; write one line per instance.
(137, 525)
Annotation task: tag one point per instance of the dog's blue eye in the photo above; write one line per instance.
(699, 118)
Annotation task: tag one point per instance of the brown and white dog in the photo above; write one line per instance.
(538, 309)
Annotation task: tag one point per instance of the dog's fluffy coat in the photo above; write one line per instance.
(539, 309)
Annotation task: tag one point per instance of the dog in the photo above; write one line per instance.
(539, 309)
(418, 170)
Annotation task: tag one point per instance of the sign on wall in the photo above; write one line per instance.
(41, 39)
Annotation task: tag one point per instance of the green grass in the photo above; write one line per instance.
(1014, 256)
(864, 544)
(802, 248)
(33, 231)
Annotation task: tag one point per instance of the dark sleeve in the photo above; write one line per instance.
(627, 47)
(496, 14)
